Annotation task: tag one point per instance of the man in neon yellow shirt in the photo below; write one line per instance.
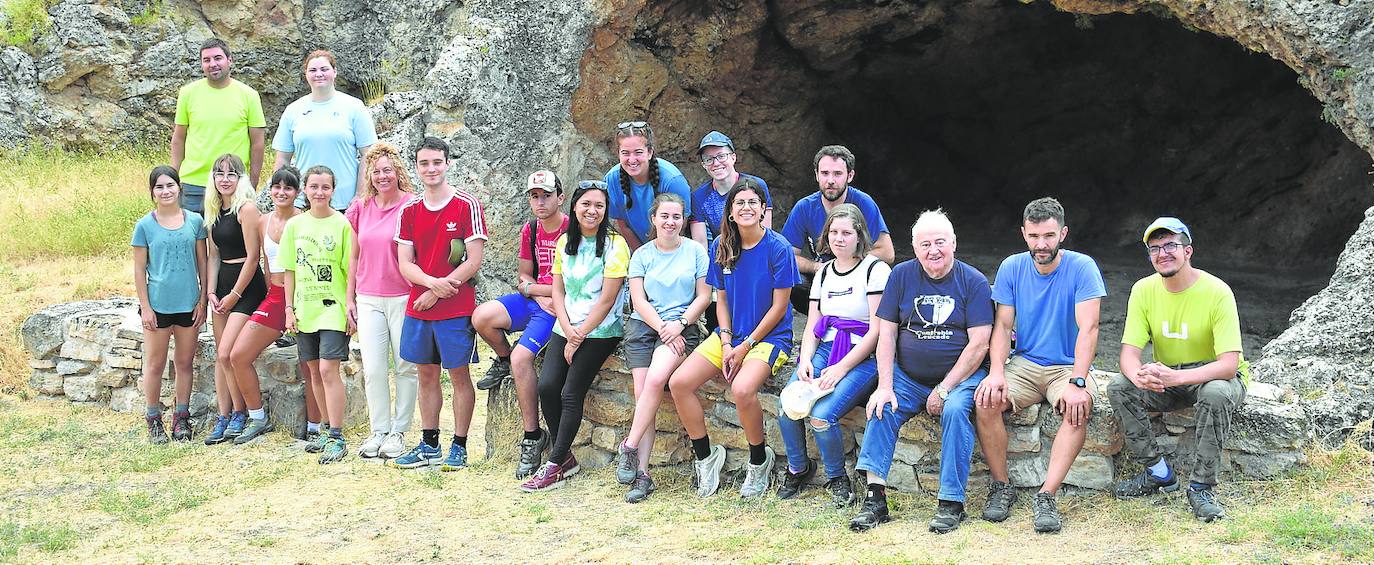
(216, 115)
(1190, 317)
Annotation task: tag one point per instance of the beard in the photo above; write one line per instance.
(1054, 253)
(825, 193)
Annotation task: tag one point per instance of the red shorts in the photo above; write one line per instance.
(272, 311)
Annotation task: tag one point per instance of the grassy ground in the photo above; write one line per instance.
(79, 483)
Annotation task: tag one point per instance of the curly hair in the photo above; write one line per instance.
(375, 153)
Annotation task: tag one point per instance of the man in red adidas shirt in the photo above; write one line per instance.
(439, 248)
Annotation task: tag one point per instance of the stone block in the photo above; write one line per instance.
(77, 348)
(924, 428)
(69, 367)
(715, 386)
(127, 399)
(128, 361)
(114, 378)
(1268, 465)
(123, 343)
(83, 388)
(725, 412)
(592, 457)
(46, 382)
(769, 403)
(611, 408)
(1027, 471)
(666, 419)
(584, 435)
(1023, 439)
(1027, 416)
(1269, 422)
(42, 364)
(606, 438)
(1091, 470)
(669, 449)
(912, 453)
(902, 477)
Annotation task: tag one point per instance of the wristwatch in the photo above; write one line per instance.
(751, 341)
(942, 392)
(1079, 382)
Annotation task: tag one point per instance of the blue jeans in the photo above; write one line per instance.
(956, 440)
(851, 391)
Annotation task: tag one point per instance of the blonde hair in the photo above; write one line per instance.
(243, 193)
(378, 150)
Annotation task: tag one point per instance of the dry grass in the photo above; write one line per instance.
(80, 484)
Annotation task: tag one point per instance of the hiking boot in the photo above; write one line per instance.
(393, 446)
(708, 471)
(948, 515)
(1001, 496)
(841, 492)
(640, 489)
(756, 477)
(500, 369)
(1143, 484)
(872, 514)
(551, 475)
(531, 451)
(626, 464)
(181, 426)
(256, 428)
(156, 433)
(216, 436)
(457, 458)
(334, 450)
(422, 455)
(317, 445)
(1204, 504)
(792, 483)
(372, 446)
(237, 421)
(1045, 513)
(286, 340)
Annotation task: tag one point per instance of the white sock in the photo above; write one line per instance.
(876, 480)
(257, 414)
(312, 426)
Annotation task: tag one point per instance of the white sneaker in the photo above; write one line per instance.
(393, 446)
(371, 445)
(708, 471)
(756, 477)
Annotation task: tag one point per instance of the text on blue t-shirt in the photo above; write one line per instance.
(933, 316)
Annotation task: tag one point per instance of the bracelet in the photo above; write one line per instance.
(236, 293)
(751, 341)
(290, 307)
(726, 331)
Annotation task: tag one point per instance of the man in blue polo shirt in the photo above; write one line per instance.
(1051, 299)
(834, 166)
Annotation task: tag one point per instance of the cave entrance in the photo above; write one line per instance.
(979, 107)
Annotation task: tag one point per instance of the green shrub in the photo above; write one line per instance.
(23, 21)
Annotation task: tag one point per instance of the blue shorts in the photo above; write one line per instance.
(193, 198)
(526, 316)
(448, 343)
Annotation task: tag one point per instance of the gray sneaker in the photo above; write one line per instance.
(1204, 504)
(1001, 496)
(626, 464)
(316, 443)
(756, 477)
(1045, 513)
(708, 471)
(641, 488)
(531, 454)
(393, 446)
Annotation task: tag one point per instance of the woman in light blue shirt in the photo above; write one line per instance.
(325, 127)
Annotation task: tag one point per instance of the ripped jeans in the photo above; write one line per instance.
(852, 390)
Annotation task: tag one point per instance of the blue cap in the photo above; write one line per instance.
(715, 139)
(1174, 225)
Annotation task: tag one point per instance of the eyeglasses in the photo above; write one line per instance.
(1170, 247)
(588, 184)
(629, 125)
(226, 175)
(718, 158)
(751, 203)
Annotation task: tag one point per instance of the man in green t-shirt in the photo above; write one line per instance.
(215, 115)
(1190, 317)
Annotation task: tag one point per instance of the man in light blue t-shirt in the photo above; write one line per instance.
(834, 166)
(1051, 298)
(333, 132)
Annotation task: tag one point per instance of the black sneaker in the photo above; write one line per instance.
(156, 433)
(1045, 513)
(793, 483)
(531, 454)
(948, 515)
(286, 340)
(1204, 504)
(500, 369)
(873, 513)
(1001, 497)
(181, 426)
(1143, 485)
(841, 492)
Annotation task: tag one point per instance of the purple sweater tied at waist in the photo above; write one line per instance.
(845, 330)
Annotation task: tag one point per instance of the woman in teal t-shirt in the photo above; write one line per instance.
(169, 273)
(588, 275)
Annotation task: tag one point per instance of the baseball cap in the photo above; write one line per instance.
(798, 398)
(545, 180)
(715, 139)
(1166, 223)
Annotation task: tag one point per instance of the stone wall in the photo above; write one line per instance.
(1268, 436)
(90, 352)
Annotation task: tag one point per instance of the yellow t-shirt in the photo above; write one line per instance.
(1195, 325)
(217, 122)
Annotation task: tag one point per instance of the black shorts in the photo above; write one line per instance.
(180, 319)
(252, 296)
(324, 344)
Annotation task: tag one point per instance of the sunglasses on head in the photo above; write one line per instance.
(586, 184)
(632, 125)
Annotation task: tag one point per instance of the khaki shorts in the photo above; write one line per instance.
(1029, 383)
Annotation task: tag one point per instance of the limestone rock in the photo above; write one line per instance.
(128, 399)
(82, 388)
(46, 382)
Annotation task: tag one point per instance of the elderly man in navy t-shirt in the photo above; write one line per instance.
(834, 166)
(935, 319)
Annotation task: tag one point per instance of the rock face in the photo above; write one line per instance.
(1325, 355)
(1270, 433)
(92, 352)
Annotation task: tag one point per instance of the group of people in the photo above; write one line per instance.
(710, 290)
